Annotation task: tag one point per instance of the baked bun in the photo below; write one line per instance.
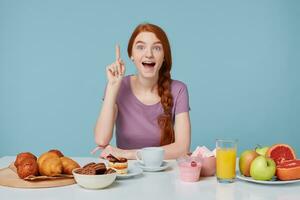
(58, 152)
(27, 167)
(22, 156)
(68, 165)
(51, 166)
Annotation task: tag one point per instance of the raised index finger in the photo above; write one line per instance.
(117, 52)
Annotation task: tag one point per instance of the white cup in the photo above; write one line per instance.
(151, 156)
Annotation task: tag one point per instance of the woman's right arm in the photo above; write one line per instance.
(107, 117)
(106, 120)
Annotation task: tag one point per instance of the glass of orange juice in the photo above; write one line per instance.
(226, 160)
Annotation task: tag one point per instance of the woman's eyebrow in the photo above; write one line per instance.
(158, 42)
(140, 42)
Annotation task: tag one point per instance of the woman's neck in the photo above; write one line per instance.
(146, 84)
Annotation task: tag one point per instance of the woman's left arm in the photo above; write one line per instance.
(182, 130)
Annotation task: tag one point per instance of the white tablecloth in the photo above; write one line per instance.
(155, 185)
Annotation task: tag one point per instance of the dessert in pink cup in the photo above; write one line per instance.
(189, 168)
(208, 160)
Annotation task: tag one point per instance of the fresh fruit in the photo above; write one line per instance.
(281, 152)
(261, 150)
(245, 161)
(288, 170)
(262, 168)
(193, 164)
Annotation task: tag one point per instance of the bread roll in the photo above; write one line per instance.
(68, 165)
(22, 156)
(27, 167)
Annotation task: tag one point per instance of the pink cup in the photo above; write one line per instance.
(189, 168)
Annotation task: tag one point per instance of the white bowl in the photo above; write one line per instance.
(94, 181)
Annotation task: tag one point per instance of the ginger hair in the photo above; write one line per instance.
(164, 81)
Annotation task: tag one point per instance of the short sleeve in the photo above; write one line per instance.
(182, 100)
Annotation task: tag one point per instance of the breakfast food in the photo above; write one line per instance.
(27, 167)
(189, 168)
(68, 165)
(51, 163)
(51, 166)
(118, 164)
(22, 156)
(94, 169)
(46, 155)
(288, 170)
(57, 152)
(281, 152)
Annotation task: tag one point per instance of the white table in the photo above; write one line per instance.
(155, 185)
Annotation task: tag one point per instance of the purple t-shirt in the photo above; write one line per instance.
(136, 124)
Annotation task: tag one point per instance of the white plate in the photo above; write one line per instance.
(132, 171)
(274, 181)
(163, 166)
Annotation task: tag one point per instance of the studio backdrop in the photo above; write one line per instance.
(239, 59)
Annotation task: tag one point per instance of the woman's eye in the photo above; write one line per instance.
(157, 48)
(140, 47)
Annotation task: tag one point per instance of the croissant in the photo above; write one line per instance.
(22, 156)
(58, 152)
(51, 166)
(46, 155)
(68, 165)
(26, 167)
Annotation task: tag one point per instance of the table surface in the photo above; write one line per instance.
(155, 185)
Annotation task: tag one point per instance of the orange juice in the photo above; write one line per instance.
(226, 158)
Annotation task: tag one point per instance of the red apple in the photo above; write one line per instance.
(245, 161)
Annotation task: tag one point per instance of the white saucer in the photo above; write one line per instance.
(163, 166)
(132, 171)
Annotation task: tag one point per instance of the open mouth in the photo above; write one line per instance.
(148, 64)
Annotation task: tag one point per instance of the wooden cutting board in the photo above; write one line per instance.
(9, 177)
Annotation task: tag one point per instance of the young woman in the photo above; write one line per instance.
(149, 108)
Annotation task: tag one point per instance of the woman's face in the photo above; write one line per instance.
(147, 54)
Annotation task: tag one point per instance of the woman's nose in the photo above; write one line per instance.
(149, 53)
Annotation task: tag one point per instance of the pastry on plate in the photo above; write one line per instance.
(27, 167)
(118, 164)
(22, 156)
(57, 152)
(68, 165)
(50, 164)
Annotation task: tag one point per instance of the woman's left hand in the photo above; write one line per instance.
(114, 151)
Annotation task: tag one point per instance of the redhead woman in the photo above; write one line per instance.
(147, 109)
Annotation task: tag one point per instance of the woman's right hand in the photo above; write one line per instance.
(115, 71)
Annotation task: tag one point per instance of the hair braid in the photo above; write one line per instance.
(165, 119)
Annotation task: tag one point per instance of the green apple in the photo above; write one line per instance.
(261, 150)
(262, 168)
(245, 161)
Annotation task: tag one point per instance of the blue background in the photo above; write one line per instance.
(240, 60)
